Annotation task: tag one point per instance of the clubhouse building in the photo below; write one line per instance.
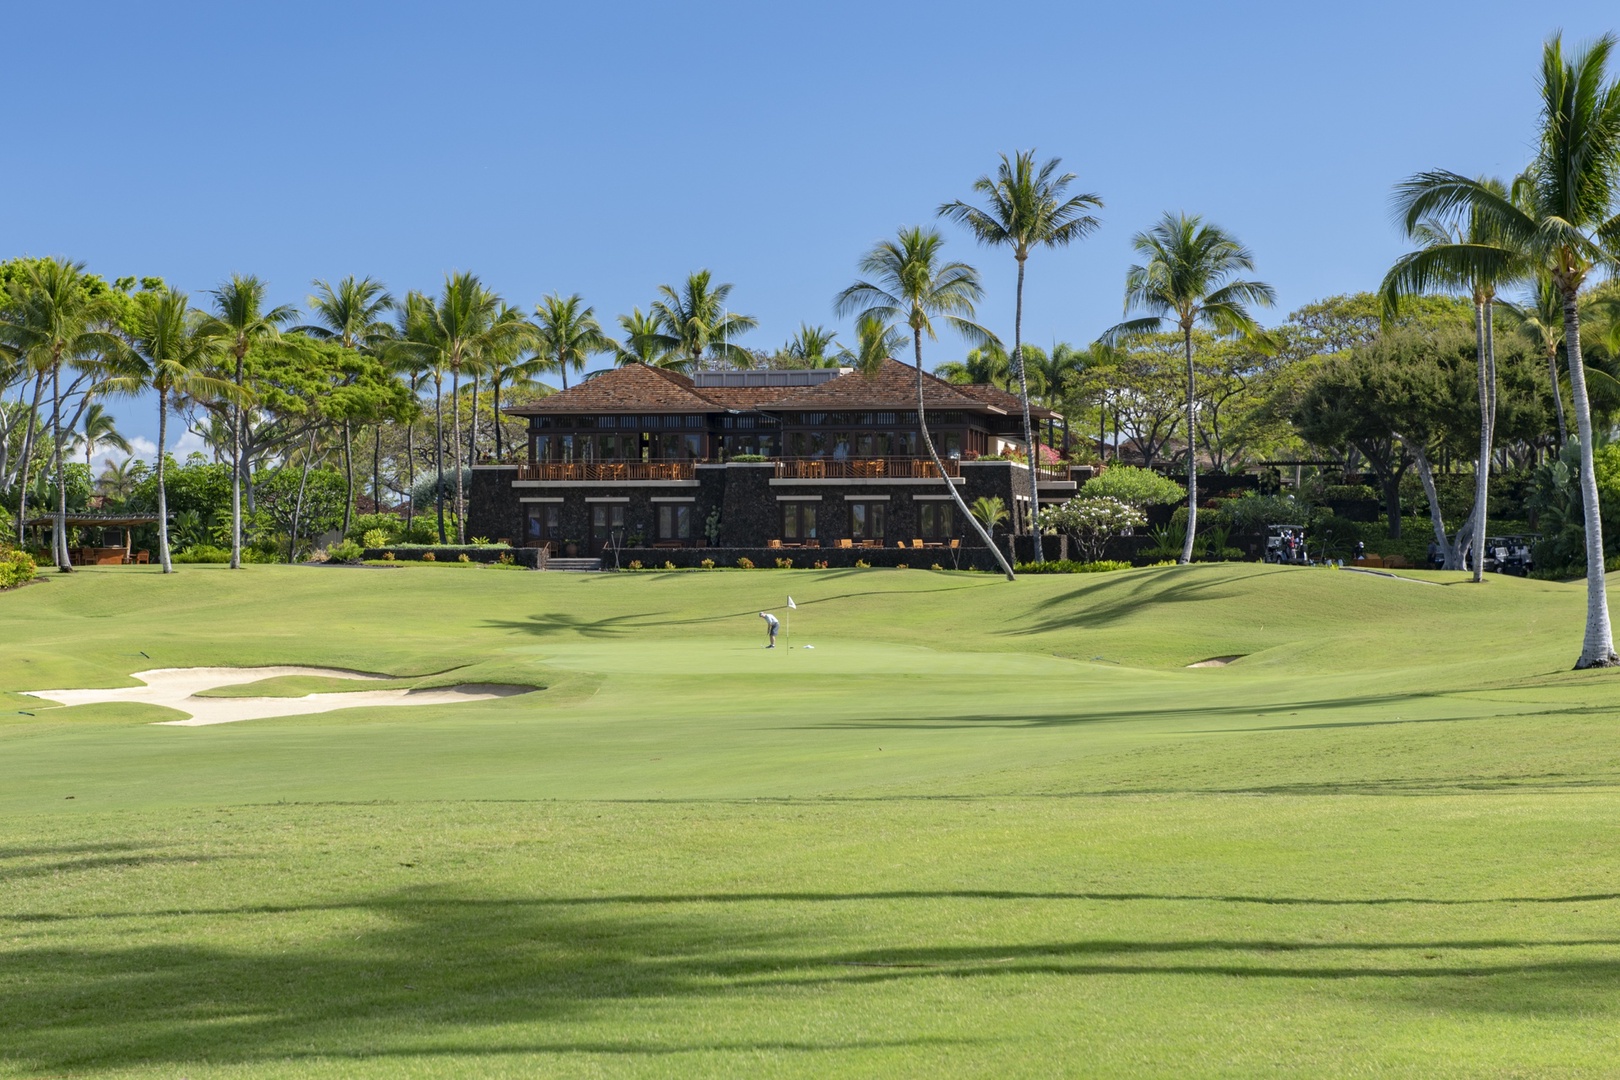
(640, 462)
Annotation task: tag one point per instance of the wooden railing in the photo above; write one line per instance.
(605, 471)
(897, 468)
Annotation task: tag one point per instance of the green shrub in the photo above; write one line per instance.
(1250, 513)
(707, 564)
(375, 538)
(428, 556)
(862, 564)
(748, 457)
(1130, 484)
(16, 568)
(463, 557)
(1069, 566)
(745, 563)
(363, 525)
(669, 565)
(344, 551)
(635, 564)
(784, 564)
(202, 553)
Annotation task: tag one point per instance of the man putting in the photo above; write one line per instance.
(771, 626)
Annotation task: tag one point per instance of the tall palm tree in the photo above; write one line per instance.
(462, 328)
(568, 334)
(178, 349)
(1187, 277)
(1565, 223)
(907, 280)
(1026, 209)
(353, 313)
(101, 430)
(1540, 322)
(1056, 372)
(411, 351)
(811, 346)
(242, 320)
(643, 343)
(987, 365)
(1449, 258)
(694, 322)
(52, 320)
(117, 480)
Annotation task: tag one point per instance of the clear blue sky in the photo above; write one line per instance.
(606, 148)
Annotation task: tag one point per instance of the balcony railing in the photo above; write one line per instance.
(895, 468)
(606, 471)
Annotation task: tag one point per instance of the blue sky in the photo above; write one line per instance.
(606, 148)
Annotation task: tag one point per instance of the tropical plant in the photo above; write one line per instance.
(876, 342)
(568, 334)
(987, 365)
(643, 343)
(178, 349)
(52, 319)
(989, 511)
(1187, 277)
(1137, 486)
(100, 430)
(693, 321)
(1462, 257)
(1026, 208)
(911, 283)
(811, 347)
(242, 320)
(1563, 222)
(1091, 522)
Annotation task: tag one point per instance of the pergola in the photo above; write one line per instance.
(98, 556)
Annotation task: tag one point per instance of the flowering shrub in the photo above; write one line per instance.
(820, 564)
(745, 563)
(784, 564)
(1092, 522)
(463, 557)
(635, 564)
(707, 564)
(428, 556)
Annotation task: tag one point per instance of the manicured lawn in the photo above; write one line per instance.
(980, 829)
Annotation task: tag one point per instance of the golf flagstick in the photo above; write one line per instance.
(787, 618)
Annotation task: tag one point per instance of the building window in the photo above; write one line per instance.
(544, 525)
(866, 520)
(936, 520)
(675, 521)
(798, 522)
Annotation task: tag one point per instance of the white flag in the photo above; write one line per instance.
(792, 605)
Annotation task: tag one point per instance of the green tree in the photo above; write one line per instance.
(1026, 208)
(178, 349)
(876, 342)
(986, 365)
(241, 318)
(909, 281)
(693, 321)
(568, 334)
(354, 313)
(1187, 277)
(811, 347)
(643, 343)
(100, 430)
(1564, 222)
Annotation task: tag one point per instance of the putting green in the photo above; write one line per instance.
(979, 828)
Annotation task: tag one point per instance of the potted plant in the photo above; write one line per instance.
(570, 549)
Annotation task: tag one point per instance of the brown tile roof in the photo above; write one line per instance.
(894, 386)
(1005, 401)
(632, 388)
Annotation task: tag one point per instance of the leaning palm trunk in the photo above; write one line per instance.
(1597, 649)
(236, 473)
(956, 496)
(1029, 432)
(1420, 457)
(28, 456)
(438, 449)
(298, 504)
(1192, 452)
(162, 492)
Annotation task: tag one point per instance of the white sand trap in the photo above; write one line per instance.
(173, 688)
(1217, 661)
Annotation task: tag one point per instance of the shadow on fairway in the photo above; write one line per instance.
(1097, 604)
(430, 972)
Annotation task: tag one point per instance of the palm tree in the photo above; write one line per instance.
(177, 348)
(1187, 277)
(643, 343)
(1056, 372)
(986, 365)
(908, 281)
(1026, 209)
(54, 319)
(811, 346)
(1540, 322)
(354, 314)
(875, 342)
(694, 322)
(461, 330)
(1565, 223)
(1449, 258)
(100, 430)
(117, 480)
(569, 334)
(241, 318)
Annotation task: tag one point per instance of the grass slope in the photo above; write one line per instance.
(980, 829)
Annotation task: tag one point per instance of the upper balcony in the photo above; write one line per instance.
(823, 468)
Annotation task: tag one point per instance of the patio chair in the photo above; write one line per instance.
(143, 557)
(846, 542)
(916, 543)
(773, 543)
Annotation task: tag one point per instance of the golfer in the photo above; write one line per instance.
(771, 626)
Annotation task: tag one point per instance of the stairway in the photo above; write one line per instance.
(573, 564)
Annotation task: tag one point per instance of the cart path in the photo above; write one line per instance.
(175, 688)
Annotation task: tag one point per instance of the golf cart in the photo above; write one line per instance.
(1510, 554)
(1286, 544)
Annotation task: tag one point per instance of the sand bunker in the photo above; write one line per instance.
(1217, 661)
(174, 688)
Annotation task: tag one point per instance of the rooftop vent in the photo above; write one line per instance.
(768, 378)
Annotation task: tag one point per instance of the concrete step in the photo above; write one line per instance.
(573, 564)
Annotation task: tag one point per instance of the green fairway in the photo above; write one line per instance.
(980, 828)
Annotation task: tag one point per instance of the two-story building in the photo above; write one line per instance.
(641, 458)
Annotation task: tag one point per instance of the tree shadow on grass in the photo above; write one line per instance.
(430, 972)
(1098, 604)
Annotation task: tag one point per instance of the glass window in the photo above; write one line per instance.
(935, 520)
(866, 521)
(675, 521)
(798, 521)
(544, 524)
